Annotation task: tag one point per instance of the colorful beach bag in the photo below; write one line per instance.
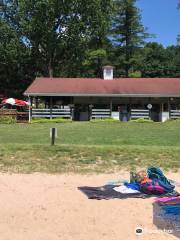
(152, 188)
(156, 174)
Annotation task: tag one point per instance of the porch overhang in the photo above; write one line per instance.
(168, 95)
(94, 87)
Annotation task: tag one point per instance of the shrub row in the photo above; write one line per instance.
(54, 120)
(12, 120)
(7, 120)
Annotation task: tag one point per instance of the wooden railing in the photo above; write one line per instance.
(139, 113)
(54, 113)
(175, 114)
(101, 113)
(19, 116)
(8, 112)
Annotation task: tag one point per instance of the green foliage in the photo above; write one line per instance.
(128, 33)
(173, 120)
(141, 120)
(75, 38)
(55, 38)
(54, 120)
(94, 55)
(135, 74)
(106, 120)
(153, 60)
(99, 45)
(15, 67)
(7, 120)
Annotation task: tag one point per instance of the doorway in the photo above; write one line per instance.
(124, 113)
(155, 113)
(81, 113)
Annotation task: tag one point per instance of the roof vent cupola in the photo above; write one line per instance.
(108, 72)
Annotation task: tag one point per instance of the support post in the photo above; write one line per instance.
(162, 110)
(169, 108)
(30, 109)
(53, 136)
(36, 102)
(150, 115)
(111, 107)
(129, 110)
(90, 110)
(51, 103)
(72, 113)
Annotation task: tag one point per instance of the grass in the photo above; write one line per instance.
(83, 147)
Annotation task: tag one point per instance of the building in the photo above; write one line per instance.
(83, 99)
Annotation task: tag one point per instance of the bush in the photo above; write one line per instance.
(173, 120)
(142, 120)
(54, 120)
(7, 120)
(104, 120)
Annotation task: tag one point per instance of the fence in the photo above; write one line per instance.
(101, 113)
(19, 116)
(54, 113)
(139, 113)
(174, 114)
(8, 112)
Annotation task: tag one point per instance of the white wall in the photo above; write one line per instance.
(115, 115)
(165, 116)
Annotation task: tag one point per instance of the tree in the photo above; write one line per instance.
(154, 60)
(60, 32)
(52, 38)
(173, 61)
(128, 33)
(15, 65)
(42, 25)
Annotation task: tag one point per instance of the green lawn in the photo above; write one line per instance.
(89, 147)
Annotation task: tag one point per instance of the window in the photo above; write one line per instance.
(108, 72)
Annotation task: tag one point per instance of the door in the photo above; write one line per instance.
(155, 113)
(124, 113)
(81, 113)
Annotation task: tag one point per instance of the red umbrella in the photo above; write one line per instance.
(13, 101)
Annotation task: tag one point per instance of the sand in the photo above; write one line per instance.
(50, 207)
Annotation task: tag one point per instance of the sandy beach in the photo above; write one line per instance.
(50, 207)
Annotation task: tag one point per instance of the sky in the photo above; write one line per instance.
(162, 18)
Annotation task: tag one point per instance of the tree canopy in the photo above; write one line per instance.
(75, 38)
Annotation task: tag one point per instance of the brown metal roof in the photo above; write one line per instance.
(101, 87)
